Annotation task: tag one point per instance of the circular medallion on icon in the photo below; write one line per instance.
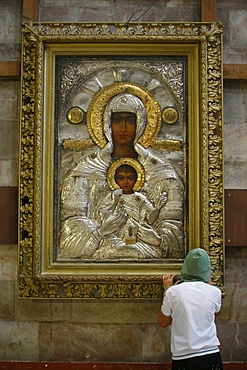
(170, 115)
(75, 115)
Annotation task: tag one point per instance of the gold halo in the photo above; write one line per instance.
(98, 104)
(131, 162)
(170, 115)
(75, 115)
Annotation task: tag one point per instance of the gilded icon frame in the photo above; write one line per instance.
(200, 44)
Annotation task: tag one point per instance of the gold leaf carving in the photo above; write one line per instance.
(32, 284)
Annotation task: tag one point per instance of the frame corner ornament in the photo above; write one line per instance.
(163, 66)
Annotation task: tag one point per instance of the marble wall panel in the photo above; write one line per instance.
(32, 310)
(156, 344)
(236, 50)
(8, 263)
(19, 341)
(7, 300)
(241, 311)
(235, 174)
(236, 269)
(64, 3)
(10, 139)
(235, 134)
(235, 302)
(234, 306)
(119, 11)
(228, 303)
(9, 99)
(9, 170)
(91, 342)
(235, 140)
(238, 34)
(115, 312)
(231, 324)
(233, 341)
(235, 102)
(233, 15)
(62, 310)
(8, 281)
(10, 36)
(10, 132)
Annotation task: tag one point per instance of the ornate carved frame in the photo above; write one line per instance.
(201, 44)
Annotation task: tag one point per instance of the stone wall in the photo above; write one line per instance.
(91, 331)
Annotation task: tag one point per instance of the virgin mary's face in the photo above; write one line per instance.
(123, 127)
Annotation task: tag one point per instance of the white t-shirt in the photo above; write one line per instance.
(192, 306)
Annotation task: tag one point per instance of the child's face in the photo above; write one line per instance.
(126, 181)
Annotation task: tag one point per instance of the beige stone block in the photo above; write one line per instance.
(10, 52)
(235, 174)
(76, 11)
(9, 100)
(19, 341)
(8, 262)
(235, 92)
(115, 311)
(9, 140)
(10, 132)
(61, 310)
(119, 11)
(233, 339)
(7, 300)
(45, 342)
(236, 265)
(238, 29)
(241, 314)
(232, 14)
(231, 56)
(10, 12)
(75, 3)
(235, 134)
(9, 172)
(235, 137)
(33, 310)
(156, 343)
(228, 303)
(91, 342)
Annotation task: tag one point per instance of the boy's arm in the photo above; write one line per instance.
(163, 320)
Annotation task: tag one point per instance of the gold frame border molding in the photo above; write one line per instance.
(40, 276)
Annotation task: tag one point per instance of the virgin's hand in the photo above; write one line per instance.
(113, 222)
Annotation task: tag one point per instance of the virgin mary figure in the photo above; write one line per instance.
(89, 234)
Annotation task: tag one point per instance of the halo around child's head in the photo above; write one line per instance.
(131, 162)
